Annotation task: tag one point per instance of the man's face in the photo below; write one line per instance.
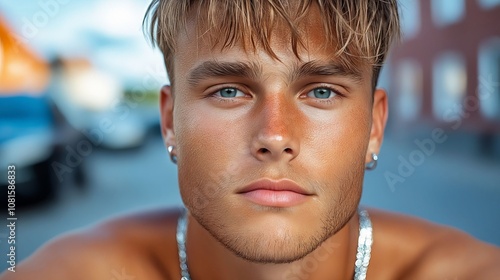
(241, 116)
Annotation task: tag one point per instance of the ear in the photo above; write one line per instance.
(380, 112)
(166, 115)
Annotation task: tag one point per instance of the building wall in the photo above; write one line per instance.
(425, 65)
(21, 70)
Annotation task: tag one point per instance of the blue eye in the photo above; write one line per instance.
(229, 92)
(321, 93)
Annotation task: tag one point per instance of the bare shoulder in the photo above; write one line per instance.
(139, 246)
(418, 249)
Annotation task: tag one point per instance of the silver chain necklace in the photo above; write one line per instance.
(365, 241)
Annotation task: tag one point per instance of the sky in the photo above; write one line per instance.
(108, 32)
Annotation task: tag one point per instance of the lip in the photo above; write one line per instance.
(275, 193)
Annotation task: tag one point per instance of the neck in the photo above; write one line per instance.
(333, 259)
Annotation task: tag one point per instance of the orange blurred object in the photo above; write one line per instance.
(21, 70)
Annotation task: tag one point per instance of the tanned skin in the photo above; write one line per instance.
(275, 127)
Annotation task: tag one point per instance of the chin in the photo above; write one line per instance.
(277, 250)
(273, 237)
(276, 246)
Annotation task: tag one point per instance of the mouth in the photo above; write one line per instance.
(281, 193)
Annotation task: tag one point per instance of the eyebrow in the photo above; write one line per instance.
(213, 69)
(318, 68)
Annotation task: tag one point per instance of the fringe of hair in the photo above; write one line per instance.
(361, 30)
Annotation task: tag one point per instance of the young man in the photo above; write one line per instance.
(272, 117)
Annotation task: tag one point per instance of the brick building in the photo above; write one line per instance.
(446, 70)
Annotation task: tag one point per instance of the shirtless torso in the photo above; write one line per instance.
(144, 247)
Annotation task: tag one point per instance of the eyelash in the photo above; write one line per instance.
(224, 99)
(336, 92)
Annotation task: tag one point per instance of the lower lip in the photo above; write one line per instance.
(275, 198)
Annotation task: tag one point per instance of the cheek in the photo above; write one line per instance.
(204, 136)
(340, 144)
(337, 155)
(209, 153)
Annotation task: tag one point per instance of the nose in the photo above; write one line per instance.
(276, 136)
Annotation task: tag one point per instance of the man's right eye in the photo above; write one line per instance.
(229, 92)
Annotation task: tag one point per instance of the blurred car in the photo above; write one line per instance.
(33, 137)
(93, 102)
(121, 132)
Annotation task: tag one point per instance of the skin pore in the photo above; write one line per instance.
(236, 116)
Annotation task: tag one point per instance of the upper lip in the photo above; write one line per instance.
(275, 185)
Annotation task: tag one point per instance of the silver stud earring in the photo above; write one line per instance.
(173, 157)
(373, 163)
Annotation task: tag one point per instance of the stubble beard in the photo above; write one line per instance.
(267, 248)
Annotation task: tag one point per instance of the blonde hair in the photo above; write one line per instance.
(360, 30)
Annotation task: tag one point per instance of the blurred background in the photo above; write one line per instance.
(79, 117)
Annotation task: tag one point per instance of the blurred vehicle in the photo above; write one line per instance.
(33, 132)
(94, 103)
(122, 133)
(51, 113)
(32, 138)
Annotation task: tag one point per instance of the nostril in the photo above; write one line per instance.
(288, 151)
(263, 151)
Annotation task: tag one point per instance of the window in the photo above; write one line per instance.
(488, 4)
(489, 78)
(409, 89)
(410, 17)
(449, 84)
(445, 12)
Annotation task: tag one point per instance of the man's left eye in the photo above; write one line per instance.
(229, 92)
(321, 93)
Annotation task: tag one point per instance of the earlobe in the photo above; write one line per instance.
(166, 115)
(379, 119)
